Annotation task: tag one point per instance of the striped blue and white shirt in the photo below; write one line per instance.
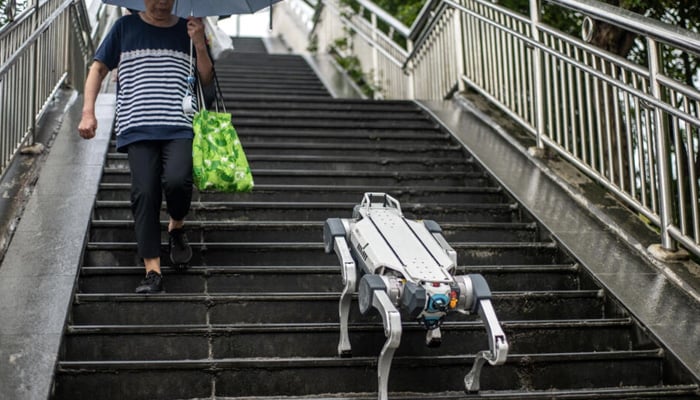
(154, 64)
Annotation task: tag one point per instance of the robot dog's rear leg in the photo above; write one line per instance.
(350, 281)
(373, 294)
(334, 240)
(392, 331)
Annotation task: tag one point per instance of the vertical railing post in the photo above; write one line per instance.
(459, 51)
(71, 41)
(411, 78)
(35, 75)
(375, 56)
(662, 153)
(537, 72)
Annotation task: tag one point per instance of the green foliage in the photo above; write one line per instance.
(682, 13)
(405, 11)
(352, 66)
(10, 9)
(341, 43)
(312, 47)
(341, 50)
(685, 14)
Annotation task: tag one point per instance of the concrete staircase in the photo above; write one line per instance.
(256, 314)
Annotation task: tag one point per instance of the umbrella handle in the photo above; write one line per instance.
(270, 15)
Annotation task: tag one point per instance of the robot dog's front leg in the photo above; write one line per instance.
(476, 296)
(497, 342)
(350, 281)
(373, 292)
(335, 240)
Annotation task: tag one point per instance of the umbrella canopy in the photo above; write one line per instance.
(203, 8)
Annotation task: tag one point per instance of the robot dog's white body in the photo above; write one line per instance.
(406, 264)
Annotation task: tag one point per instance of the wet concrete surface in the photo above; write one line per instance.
(610, 245)
(22, 172)
(41, 262)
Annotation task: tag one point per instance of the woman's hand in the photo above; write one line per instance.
(195, 29)
(88, 125)
(205, 66)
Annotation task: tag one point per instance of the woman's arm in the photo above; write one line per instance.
(205, 65)
(88, 122)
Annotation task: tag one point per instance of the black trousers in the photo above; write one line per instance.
(158, 167)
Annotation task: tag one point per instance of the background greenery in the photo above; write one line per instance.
(9, 9)
(681, 13)
(405, 11)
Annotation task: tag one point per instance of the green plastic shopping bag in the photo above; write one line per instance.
(218, 161)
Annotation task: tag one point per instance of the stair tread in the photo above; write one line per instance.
(306, 296)
(268, 362)
(83, 329)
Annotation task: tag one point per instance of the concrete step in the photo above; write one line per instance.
(311, 253)
(331, 194)
(214, 279)
(352, 178)
(285, 103)
(183, 342)
(300, 376)
(305, 307)
(340, 163)
(309, 211)
(304, 231)
(248, 45)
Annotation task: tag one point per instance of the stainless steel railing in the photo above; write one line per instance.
(46, 46)
(632, 128)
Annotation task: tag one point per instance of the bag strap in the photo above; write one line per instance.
(219, 97)
(201, 102)
(193, 89)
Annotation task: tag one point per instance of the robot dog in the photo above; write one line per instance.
(406, 265)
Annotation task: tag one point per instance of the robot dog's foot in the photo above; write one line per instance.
(471, 380)
(344, 353)
(433, 338)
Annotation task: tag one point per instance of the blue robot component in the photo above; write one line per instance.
(406, 265)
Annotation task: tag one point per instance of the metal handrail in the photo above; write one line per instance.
(630, 127)
(367, 37)
(680, 38)
(24, 46)
(86, 34)
(424, 16)
(45, 48)
(389, 19)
